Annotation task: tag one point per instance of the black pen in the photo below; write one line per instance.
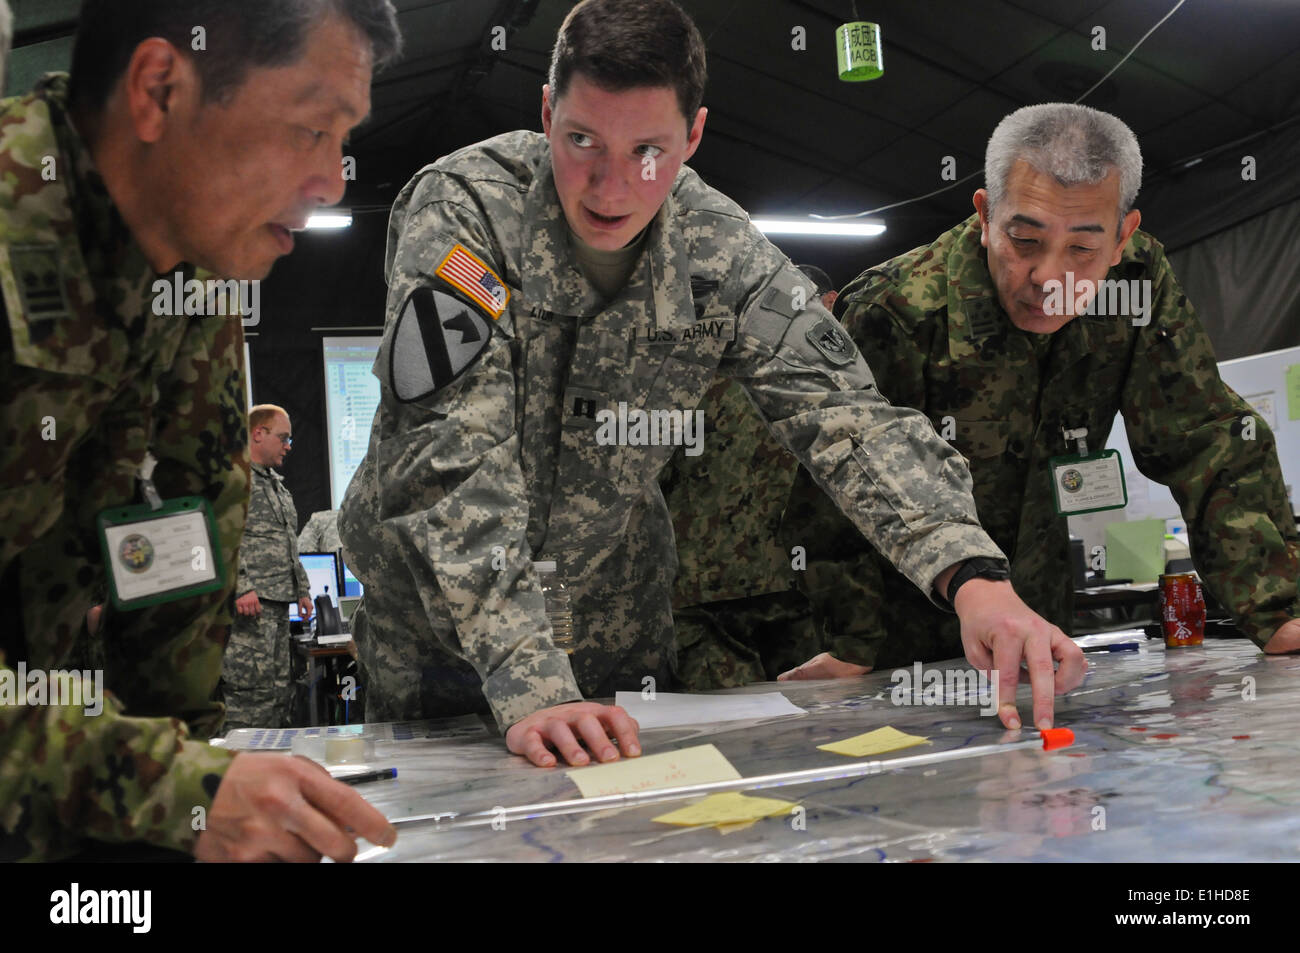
(383, 774)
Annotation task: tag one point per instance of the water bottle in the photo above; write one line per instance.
(558, 607)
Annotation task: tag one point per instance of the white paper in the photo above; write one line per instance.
(666, 709)
(1265, 406)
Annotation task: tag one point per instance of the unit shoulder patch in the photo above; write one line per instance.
(436, 340)
(831, 340)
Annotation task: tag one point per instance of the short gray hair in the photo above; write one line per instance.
(1076, 145)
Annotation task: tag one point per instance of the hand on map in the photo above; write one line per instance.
(561, 726)
(275, 807)
(998, 630)
(823, 666)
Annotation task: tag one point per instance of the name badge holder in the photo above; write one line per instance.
(1087, 482)
(161, 550)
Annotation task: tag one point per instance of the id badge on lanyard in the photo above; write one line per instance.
(1087, 482)
(161, 550)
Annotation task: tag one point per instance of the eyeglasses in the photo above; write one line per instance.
(284, 438)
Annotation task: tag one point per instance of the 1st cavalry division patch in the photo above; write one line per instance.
(436, 340)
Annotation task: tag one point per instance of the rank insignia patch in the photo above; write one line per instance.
(40, 281)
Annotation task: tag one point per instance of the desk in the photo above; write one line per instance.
(1130, 596)
(1170, 763)
(1138, 604)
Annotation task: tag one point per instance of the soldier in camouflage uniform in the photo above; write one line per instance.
(1006, 382)
(736, 613)
(93, 379)
(737, 616)
(321, 534)
(256, 672)
(505, 365)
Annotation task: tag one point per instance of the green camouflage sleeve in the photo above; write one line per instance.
(67, 774)
(1190, 431)
(843, 578)
(450, 493)
(165, 660)
(883, 465)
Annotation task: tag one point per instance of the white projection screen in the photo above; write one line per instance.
(351, 395)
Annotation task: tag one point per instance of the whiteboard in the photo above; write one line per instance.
(1261, 380)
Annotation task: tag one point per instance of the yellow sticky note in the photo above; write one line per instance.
(726, 809)
(698, 765)
(725, 829)
(874, 742)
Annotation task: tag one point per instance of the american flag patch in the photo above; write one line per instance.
(463, 270)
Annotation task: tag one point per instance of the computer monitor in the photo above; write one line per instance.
(322, 575)
(351, 584)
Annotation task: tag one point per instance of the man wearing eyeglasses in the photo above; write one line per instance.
(255, 674)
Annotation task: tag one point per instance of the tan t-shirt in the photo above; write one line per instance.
(608, 271)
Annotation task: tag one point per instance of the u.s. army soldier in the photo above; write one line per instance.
(154, 159)
(321, 533)
(543, 291)
(967, 331)
(257, 668)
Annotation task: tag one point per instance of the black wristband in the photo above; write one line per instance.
(981, 567)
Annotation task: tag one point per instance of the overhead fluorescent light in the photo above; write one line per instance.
(807, 226)
(331, 218)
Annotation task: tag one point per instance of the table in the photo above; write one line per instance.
(1139, 604)
(1185, 755)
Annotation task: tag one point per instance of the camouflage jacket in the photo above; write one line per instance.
(268, 559)
(724, 520)
(930, 324)
(89, 379)
(321, 534)
(461, 490)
